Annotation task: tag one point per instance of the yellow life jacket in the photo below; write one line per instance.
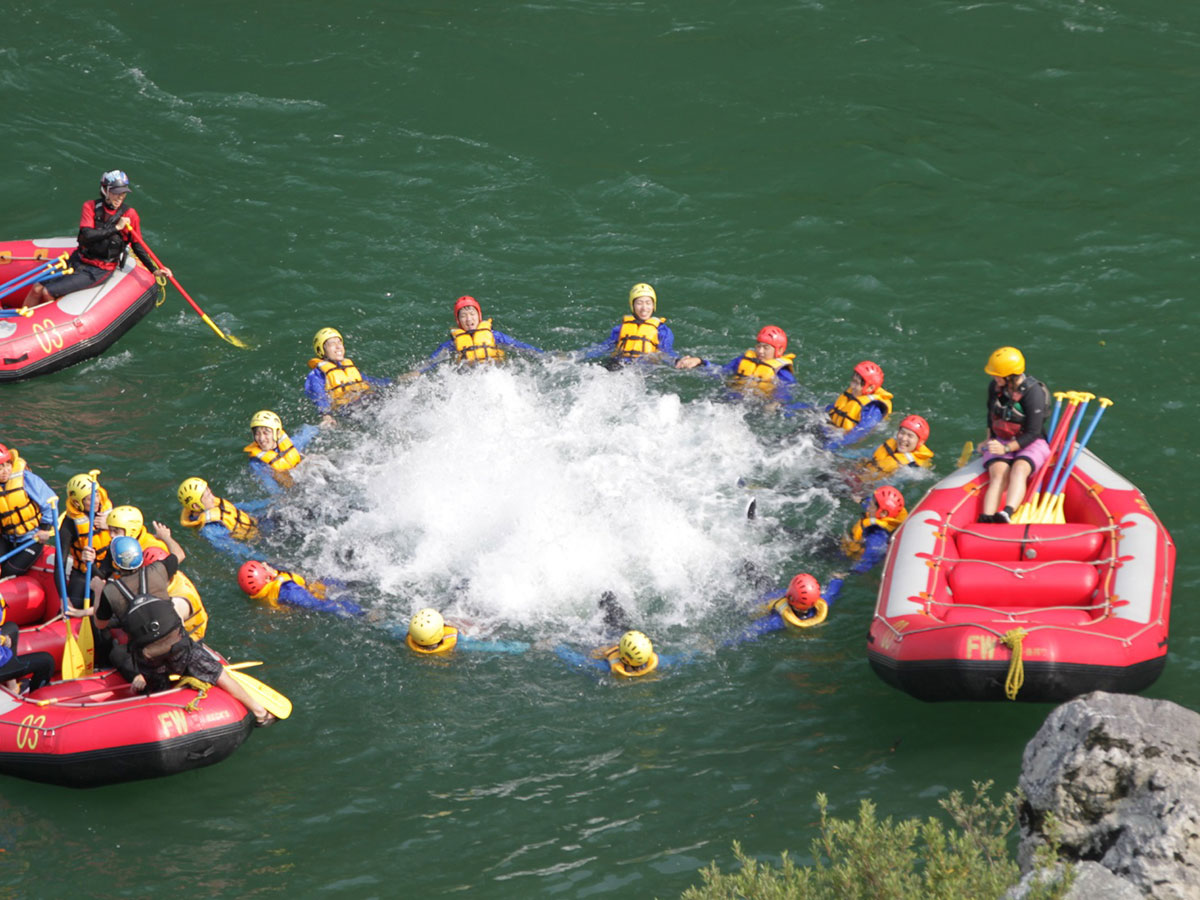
(847, 408)
(343, 381)
(242, 526)
(150, 542)
(196, 621)
(638, 337)
(83, 525)
(444, 646)
(478, 345)
(270, 591)
(789, 616)
(888, 459)
(760, 373)
(285, 455)
(852, 544)
(19, 514)
(617, 666)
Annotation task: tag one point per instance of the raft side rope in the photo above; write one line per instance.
(161, 281)
(1016, 666)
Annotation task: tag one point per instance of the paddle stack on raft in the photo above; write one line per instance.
(1074, 598)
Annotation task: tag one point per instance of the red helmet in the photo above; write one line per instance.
(775, 336)
(871, 375)
(803, 592)
(253, 577)
(889, 500)
(917, 426)
(467, 301)
(5, 454)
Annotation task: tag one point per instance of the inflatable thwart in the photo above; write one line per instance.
(1037, 612)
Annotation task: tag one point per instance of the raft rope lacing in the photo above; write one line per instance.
(187, 682)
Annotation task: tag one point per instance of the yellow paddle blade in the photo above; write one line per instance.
(222, 335)
(73, 665)
(965, 456)
(1056, 511)
(276, 704)
(87, 646)
(1021, 516)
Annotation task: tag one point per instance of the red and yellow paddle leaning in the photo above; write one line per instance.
(1047, 507)
(228, 338)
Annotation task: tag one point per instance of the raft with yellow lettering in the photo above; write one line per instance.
(1037, 612)
(94, 731)
(76, 326)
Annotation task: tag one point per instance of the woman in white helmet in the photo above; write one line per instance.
(108, 229)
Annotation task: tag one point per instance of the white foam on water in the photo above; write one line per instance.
(514, 496)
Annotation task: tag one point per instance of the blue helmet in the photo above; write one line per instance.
(126, 553)
(115, 180)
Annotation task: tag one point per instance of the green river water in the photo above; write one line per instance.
(914, 183)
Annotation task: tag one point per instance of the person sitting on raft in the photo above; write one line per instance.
(474, 340)
(15, 665)
(906, 450)
(335, 382)
(273, 453)
(765, 367)
(74, 534)
(223, 524)
(132, 577)
(276, 588)
(26, 514)
(159, 648)
(860, 408)
(801, 605)
(1016, 446)
(429, 635)
(127, 521)
(640, 336)
(108, 229)
(867, 543)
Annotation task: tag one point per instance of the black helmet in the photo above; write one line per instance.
(149, 618)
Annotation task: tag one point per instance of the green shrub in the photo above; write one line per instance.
(869, 859)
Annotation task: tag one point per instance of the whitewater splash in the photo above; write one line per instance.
(514, 496)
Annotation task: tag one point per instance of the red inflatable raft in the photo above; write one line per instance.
(75, 327)
(93, 730)
(1040, 612)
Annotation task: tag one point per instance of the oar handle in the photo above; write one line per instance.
(87, 578)
(1056, 440)
(1060, 475)
(24, 545)
(59, 569)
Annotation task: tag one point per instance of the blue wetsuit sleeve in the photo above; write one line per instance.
(314, 387)
(304, 436)
(875, 544)
(475, 645)
(872, 415)
(294, 595)
(39, 492)
(575, 659)
(218, 535)
(832, 591)
(265, 476)
(442, 354)
(253, 506)
(769, 623)
(666, 341)
(604, 348)
(505, 340)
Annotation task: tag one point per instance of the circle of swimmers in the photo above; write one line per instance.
(124, 553)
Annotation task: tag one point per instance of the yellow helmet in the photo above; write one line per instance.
(321, 337)
(192, 490)
(427, 628)
(264, 418)
(635, 649)
(641, 289)
(80, 486)
(128, 518)
(1004, 362)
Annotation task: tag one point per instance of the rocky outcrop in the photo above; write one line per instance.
(1121, 775)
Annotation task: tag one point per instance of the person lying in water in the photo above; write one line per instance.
(640, 336)
(273, 453)
(428, 634)
(765, 368)
(334, 382)
(859, 409)
(276, 588)
(802, 605)
(223, 524)
(473, 340)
